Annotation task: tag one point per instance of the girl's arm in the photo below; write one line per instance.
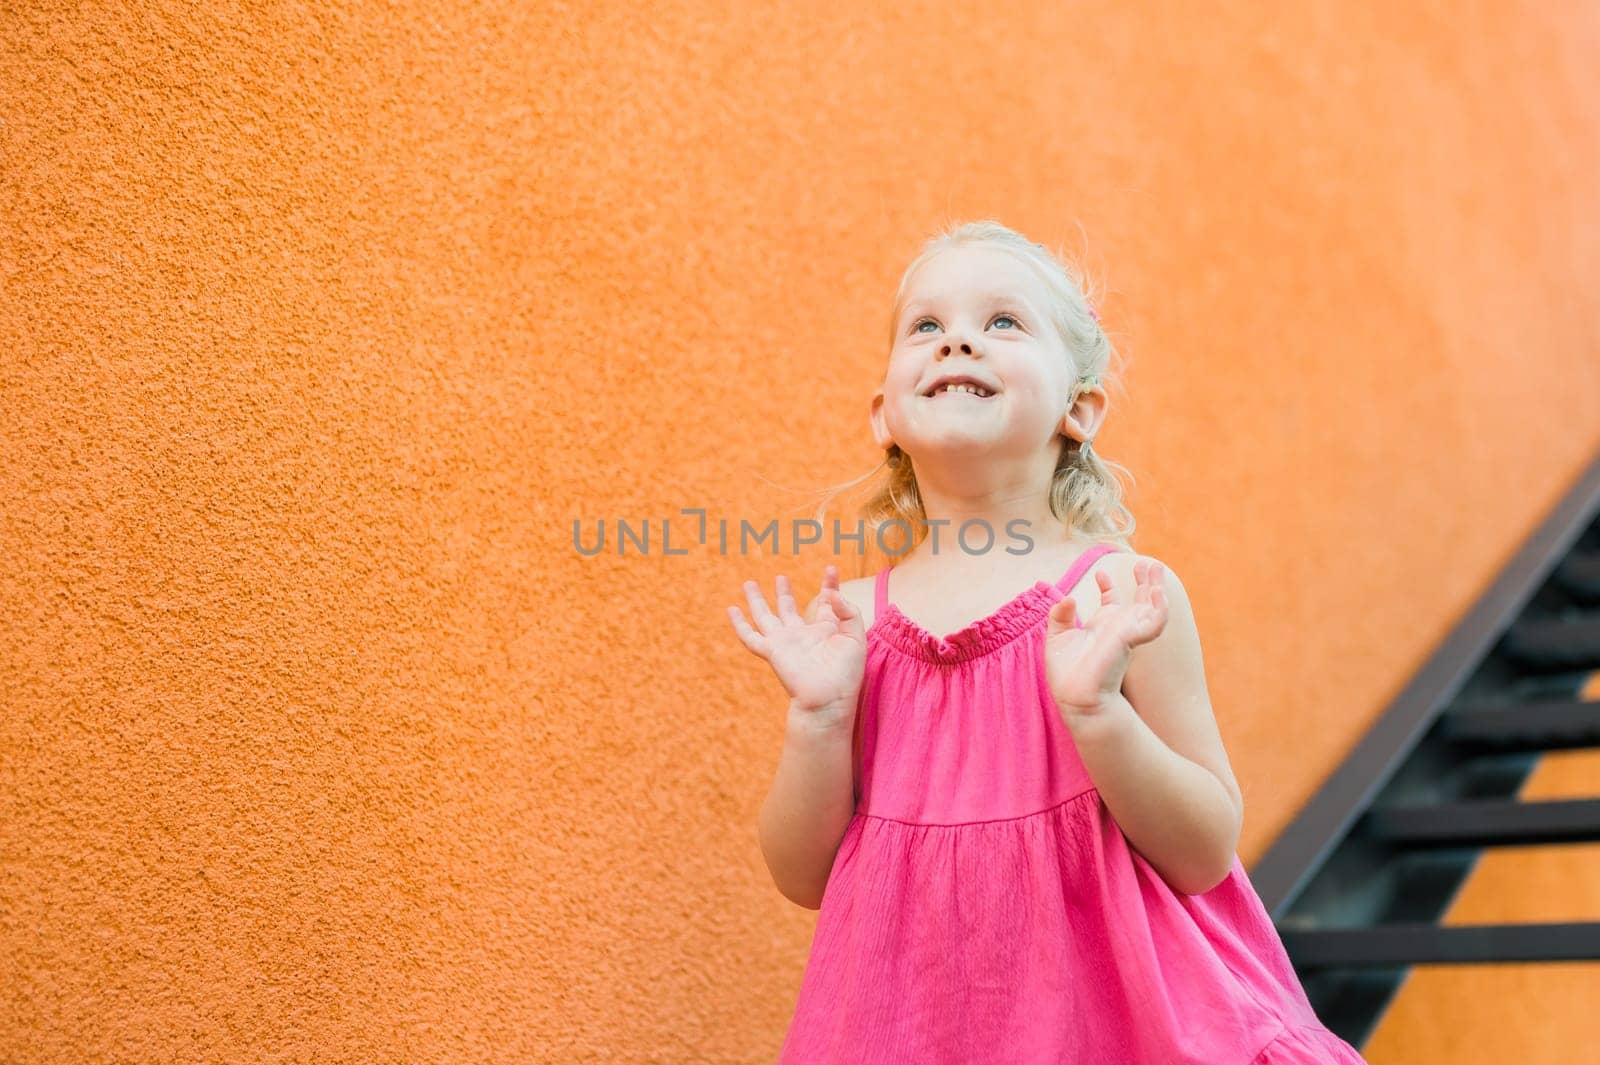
(804, 818)
(1156, 756)
(811, 802)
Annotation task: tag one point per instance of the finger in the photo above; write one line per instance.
(825, 611)
(1143, 586)
(1143, 628)
(748, 636)
(1156, 575)
(787, 609)
(830, 579)
(849, 617)
(763, 617)
(1108, 595)
(1063, 615)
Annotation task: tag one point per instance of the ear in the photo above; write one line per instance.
(1081, 421)
(880, 428)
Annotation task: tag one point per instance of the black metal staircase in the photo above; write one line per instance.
(1360, 879)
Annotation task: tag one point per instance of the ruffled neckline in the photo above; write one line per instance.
(1017, 616)
(1022, 613)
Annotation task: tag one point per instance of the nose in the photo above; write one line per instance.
(955, 345)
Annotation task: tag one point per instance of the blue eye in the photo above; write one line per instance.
(920, 322)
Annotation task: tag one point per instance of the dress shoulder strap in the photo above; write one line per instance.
(880, 597)
(1081, 566)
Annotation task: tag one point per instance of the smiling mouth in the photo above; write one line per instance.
(969, 391)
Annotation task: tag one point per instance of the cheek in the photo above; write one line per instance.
(902, 381)
(1034, 400)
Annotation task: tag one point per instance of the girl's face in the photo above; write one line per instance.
(978, 314)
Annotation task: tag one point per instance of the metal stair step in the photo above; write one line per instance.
(1555, 643)
(1546, 725)
(1579, 576)
(1485, 823)
(1420, 943)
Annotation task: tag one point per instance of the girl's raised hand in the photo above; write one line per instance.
(1084, 667)
(820, 662)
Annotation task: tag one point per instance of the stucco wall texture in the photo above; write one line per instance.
(323, 323)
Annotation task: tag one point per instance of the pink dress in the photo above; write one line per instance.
(984, 906)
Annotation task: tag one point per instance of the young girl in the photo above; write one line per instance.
(1020, 835)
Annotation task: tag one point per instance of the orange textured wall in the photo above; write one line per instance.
(320, 324)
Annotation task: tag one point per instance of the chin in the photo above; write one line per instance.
(954, 445)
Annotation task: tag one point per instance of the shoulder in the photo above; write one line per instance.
(861, 593)
(1117, 564)
(1124, 566)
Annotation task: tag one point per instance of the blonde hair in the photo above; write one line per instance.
(1085, 493)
